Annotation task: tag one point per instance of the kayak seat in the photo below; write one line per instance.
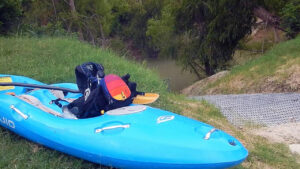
(36, 103)
(68, 114)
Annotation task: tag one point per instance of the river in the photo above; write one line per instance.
(172, 73)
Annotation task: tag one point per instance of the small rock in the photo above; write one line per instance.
(295, 148)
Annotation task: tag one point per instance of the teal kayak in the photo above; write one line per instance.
(136, 136)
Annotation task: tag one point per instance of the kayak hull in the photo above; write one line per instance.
(146, 138)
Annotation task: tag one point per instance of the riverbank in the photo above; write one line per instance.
(276, 71)
(52, 60)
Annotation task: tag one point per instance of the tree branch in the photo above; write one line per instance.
(75, 17)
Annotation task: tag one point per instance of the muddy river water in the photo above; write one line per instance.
(172, 73)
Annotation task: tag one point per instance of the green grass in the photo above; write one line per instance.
(273, 154)
(268, 63)
(53, 60)
(17, 152)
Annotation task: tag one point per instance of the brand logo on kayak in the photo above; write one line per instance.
(162, 119)
(7, 122)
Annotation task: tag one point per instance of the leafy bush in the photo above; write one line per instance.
(51, 29)
(291, 18)
(161, 32)
(9, 11)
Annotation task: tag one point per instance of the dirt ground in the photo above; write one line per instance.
(198, 87)
(288, 133)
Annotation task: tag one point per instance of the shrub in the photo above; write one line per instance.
(291, 18)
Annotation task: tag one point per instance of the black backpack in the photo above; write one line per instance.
(88, 76)
(96, 100)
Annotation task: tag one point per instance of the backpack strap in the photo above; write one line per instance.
(88, 75)
(94, 105)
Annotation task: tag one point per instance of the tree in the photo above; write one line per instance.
(75, 18)
(280, 14)
(210, 31)
(9, 11)
(44, 17)
(272, 6)
(161, 31)
(96, 17)
(131, 23)
(291, 18)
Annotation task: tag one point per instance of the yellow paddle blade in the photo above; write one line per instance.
(7, 80)
(146, 99)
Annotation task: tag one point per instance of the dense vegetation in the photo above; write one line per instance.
(201, 34)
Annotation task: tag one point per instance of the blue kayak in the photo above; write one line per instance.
(135, 136)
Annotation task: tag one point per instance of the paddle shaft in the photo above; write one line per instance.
(40, 87)
(142, 98)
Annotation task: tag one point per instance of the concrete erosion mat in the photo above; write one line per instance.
(261, 109)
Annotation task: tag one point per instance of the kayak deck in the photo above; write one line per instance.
(131, 137)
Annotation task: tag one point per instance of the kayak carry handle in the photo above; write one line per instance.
(207, 136)
(112, 127)
(19, 112)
